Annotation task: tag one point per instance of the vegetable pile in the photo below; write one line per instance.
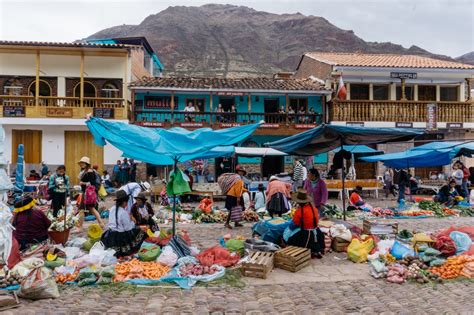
(135, 269)
(69, 277)
(10, 279)
(251, 216)
(453, 267)
(197, 270)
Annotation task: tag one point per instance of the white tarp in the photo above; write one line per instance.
(249, 151)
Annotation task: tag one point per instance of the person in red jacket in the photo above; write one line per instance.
(31, 225)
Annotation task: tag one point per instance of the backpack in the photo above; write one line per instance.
(90, 196)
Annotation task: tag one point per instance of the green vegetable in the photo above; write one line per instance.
(405, 234)
(87, 281)
(437, 208)
(104, 280)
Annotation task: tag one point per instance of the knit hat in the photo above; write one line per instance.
(25, 203)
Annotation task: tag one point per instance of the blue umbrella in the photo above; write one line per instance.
(155, 145)
(20, 171)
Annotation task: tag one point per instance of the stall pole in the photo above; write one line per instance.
(174, 197)
(65, 210)
(343, 185)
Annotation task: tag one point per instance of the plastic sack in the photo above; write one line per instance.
(108, 271)
(76, 242)
(437, 262)
(86, 273)
(445, 245)
(357, 251)
(384, 246)
(102, 192)
(168, 257)
(64, 270)
(235, 246)
(73, 252)
(55, 263)
(104, 256)
(432, 252)
(149, 252)
(39, 284)
(87, 281)
(400, 250)
(378, 266)
(261, 246)
(104, 280)
(339, 230)
(217, 255)
(24, 267)
(462, 241)
(469, 230)
(6, 232)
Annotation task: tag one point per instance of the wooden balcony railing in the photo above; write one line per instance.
(400, 111)
(25, 106)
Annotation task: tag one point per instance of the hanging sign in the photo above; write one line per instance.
(191, 125)
(59, 112)
(305, 126)
(270, 126)
(404, 124)
(403, 75)
(228, 125)
(149, 124)
(230, 93)
(454, 125)
(105, 113)
(13, 111)
(431, 116)
(355, 124)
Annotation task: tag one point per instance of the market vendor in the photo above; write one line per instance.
(278, 195)
(316, 188)
(303, 229)
(233, 187)
(133, 190)
(447, 194)
(142, 213)
(122, 234)
(31, 225)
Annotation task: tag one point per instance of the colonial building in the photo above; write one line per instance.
(287, 106)
(47, 89)
(397, 91)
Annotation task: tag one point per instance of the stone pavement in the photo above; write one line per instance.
(332, 285)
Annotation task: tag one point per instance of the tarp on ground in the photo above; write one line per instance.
(160, 146)
(427, 155)
(328, 137)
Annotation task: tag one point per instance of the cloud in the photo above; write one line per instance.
(440, 26)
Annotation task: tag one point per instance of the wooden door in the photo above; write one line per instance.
(77, 145)
(365, 170)
(32, 143)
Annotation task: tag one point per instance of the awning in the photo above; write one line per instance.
(255, 152)
(357, 149)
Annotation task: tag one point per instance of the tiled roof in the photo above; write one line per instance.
(385, 60)
(59, 44)
(230, 84)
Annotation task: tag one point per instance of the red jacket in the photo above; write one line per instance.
(308, 214)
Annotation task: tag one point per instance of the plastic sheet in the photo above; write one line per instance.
(399, 250)
(462, 241)
(217, 255)
(358, 250)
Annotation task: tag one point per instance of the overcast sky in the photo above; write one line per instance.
(440, 26)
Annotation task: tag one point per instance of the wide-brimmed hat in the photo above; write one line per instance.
(121, 195)
(141, 196)
(24, 203)
(145, 186)
(85, 159)
(301, 196)
(239, 168)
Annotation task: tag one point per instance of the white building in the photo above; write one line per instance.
(47, 89)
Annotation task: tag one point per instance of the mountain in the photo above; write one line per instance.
(236, 41)
(467, 58)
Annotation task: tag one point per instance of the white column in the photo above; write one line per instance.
(371, 92)
(415, 92)
(461, 92)
(438, 93)
(393, 91)
(61, 87)
(348, 88)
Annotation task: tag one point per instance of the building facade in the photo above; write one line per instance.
(287, 106)
(47, 89)
(397, 91)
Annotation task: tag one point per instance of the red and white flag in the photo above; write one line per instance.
(341, 89)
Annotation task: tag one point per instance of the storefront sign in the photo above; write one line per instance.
(149, 124)
(355, 124)
(270, 126)
(431, 116)
(157, 102)
(228, 125)
(13, 111)
(404, 125)
(403, 75)
(191, 125)
(454, 125)
(230, 93)
(59, 112)
(305, 126)
(105, 113)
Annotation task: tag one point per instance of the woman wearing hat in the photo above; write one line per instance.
(304, 231)
(90, 182)
(122, 234)
(142, 213)
(31, 225)
(133, 190)
(278, 194)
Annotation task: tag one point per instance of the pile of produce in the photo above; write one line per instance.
(453, 266)
(416, 213)
(197, 270)
(464, 211)
(135, 269)
(9, 280)
(251, 216)
(433, 206)
(213, 217)
(379, 212)
(69, 277)
(332, 211)
(57, 223)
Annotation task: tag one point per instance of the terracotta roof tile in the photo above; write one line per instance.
(385, 60)
(230, 84)
(60, 44)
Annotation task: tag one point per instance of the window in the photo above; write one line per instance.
(408, 93)
(297, 103)
(110, 90)
(44, 88)
(426, 93)
(449, 93)
(227, 103)
(198, 103)
(89, 90)
(12, 87)
(380, 92)
(359, 91)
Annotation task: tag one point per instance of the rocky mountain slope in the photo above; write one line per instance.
(235, 41)
(467, 58)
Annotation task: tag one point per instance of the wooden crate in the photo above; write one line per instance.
(371, 227)
(339, 245)
(259, 265)
(292, 258)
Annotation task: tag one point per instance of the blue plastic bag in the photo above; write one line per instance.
(399, 250)
(462, 240)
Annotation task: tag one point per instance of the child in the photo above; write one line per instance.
(355, 198)
(259, 199)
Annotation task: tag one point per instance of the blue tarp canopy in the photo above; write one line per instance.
(430, 154)
(329, 137)
(358, 149)
(20, 171)
(163, 146)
